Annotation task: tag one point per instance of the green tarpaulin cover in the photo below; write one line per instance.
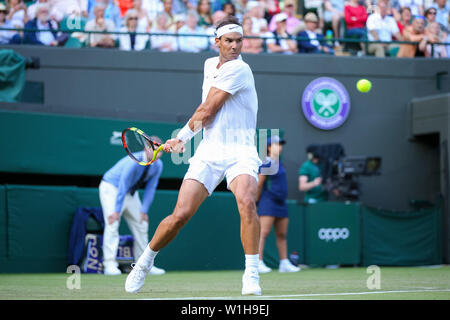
(12, 75)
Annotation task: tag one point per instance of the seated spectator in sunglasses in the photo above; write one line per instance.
(131, 40)
(430, 16)
(442, 12)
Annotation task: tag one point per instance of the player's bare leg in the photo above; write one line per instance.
(244, 188)
(192, 194)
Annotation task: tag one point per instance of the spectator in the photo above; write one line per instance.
(112, 12)
(280, 41)
(124, 5)
(355, 19)
(133, 41)
(430, 16)
(316, 43)
(315, 6)
(100, 24)
(76, 23)
(179, 20)
(43, 22)
(5, 35)
(182, 6)
(204, 14)
(405, 19)
(17, 11)
(61, 8)
(272, 209)
(168, 9)
(229, 8)
(196, 43)
(442, 12)
(447, 40)
(271, 8)
(414, 33)
(333, 13)
(217, 5)
(395, 9)
(166, 42)
(119, 197)
(256, 12)
(435, 35)
(416, 6)
(250, 45)
(31, 10)
(292, 23)
(144, 22)
(241, 8)
(211, 31)
(381, 27)
(310, 180)
(153, 7)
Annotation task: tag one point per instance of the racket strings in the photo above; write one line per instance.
(141, 148)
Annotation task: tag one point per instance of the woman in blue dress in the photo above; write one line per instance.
(272, 208)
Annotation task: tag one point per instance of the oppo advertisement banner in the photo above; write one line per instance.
(332, 233)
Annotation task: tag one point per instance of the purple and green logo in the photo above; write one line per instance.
(326, 103)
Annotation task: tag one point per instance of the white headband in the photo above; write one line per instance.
(229, 28)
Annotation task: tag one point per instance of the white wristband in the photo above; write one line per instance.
(186, 133)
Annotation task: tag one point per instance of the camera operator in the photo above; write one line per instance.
(310, 180)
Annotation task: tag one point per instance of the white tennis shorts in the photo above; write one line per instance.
(211, 172)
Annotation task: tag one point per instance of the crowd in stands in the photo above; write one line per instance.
(363, 27)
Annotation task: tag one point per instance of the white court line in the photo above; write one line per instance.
(302, 295)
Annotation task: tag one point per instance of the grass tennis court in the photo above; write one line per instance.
(397, 283)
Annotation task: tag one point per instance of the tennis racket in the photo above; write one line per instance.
(140, 147)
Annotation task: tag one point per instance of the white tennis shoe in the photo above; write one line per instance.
(262, 268)
(111, 271)
(136, 278)
(287, 266)
(157, 271)
(250, 283)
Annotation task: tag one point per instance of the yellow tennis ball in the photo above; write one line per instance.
(364, 85)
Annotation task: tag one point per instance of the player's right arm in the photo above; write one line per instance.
(206, 112)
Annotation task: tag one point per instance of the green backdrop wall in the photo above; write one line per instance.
(35, 223)
(70, 145)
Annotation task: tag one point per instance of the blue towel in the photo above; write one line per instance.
(78, 232)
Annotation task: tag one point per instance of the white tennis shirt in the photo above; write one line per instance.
(233, 128)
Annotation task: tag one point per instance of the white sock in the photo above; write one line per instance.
(284, 261)
(147, 258)
(251, 261)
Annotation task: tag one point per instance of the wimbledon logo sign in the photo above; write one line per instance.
(326, 103)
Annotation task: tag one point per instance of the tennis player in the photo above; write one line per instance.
(227, 116)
